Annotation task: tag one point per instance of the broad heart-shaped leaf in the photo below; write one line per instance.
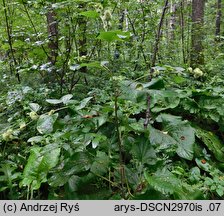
(38, 166)
(184, 135)
(129, 90)
(163, 99)
(46, 122)
(156, 83)
(169, 119)
(133, 91)
(143, 151)
(181, 132)
(161, 139)
(212, 142)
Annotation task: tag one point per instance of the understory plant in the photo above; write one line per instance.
(98, 148)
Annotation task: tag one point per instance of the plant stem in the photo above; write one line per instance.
(10, 40)
(153, 62)
(120, 145)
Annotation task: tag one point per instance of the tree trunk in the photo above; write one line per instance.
(153, 62)
(218, 18)
(197, 33)
(182, 27)
(157, 41)
(13, 66)
(173, 20)
(52, 27)
(120, 27)
(82, 40)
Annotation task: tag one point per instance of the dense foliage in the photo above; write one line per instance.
(73, 105)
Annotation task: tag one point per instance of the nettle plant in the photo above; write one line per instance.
(98, 148)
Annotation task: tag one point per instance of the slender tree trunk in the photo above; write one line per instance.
(197, 33)
(182, 27)
(158, 34)
(120, 27)
(52, 27)
(218, 19)
(34, 27)
(10, 42)
(82, 39)
(188, 33)
(153, 61)
(173, 20)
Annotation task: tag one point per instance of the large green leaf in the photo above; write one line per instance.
(94, 64)
(79, 162)
(155, 83)
(167, 119)
(190, 105)
(130, 90)
(46, 122)
(100, 164)
(111, 36)
(83, 103)
(108, 36)
(90, 14)
(181, 132)
(38, 166)
(184, 135)
(212, 142)
(143, 151)
(161, 139)
(163, 99)
(167, 183)
(211, 102)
